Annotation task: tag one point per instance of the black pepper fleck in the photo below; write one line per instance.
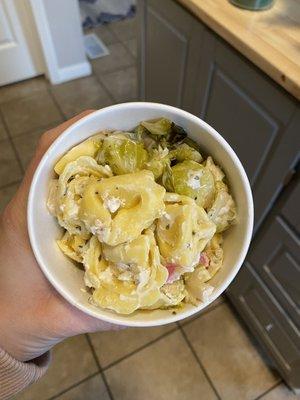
(167, 226)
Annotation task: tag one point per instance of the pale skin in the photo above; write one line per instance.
(33, 316)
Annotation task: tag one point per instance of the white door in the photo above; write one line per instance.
(20, 52)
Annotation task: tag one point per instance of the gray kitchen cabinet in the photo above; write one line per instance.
(266, 291)
(256, 117)
(184, 63)
(268, 322)
(169, 53)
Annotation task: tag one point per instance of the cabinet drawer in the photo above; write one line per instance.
(275, 256)
(268, 321)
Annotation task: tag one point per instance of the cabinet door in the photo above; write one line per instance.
(252, 114)
(269, 323)
(170, 38)
(275, 255)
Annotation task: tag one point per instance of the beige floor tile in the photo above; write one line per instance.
(131, 45)
(281, 392)
(165, 370)
(22, 89)
(6, 194)
(105, 34)
(229, 357)
(122, 84)
(92, 389)
(218, 301)
(118, 58)
(124, 30)
(79, 95)
(28, 114)
(26, 145)
(3, 133)
(72, 361)
(10, 170)
(111, 346)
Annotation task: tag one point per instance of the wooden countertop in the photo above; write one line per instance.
(270, 38)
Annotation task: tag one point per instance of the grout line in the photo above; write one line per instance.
(199, 362)
(42, 127)
(10, 184)
(157, 339)
(18, 158)
(117, 69)
(202, 313)
(129, 48)
(123, 19)
(74, 386)
(99, 367)
(112, 32)
(100, 81)
(111, 98)
(269, 390)
(139, 349)
(56, 102)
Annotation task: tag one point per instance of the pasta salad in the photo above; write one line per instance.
(143, 214)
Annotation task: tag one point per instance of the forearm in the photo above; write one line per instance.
(15, 375)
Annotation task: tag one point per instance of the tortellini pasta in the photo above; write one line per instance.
(127, 276)
(222, 211)
(73, 245)
(183, 231)
(209, 263)
(142, 213)
(118, 209)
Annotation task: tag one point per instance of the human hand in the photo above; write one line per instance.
(33, 316)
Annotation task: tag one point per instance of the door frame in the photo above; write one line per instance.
(55, 72)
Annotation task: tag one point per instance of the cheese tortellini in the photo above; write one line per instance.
(183, 231)
(143, 213)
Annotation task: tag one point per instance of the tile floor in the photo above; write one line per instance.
(209, 356)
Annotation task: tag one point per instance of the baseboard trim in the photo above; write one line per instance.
(71, 72)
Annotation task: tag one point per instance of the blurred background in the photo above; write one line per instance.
(237, 69)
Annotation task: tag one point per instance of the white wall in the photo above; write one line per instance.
(59, 26)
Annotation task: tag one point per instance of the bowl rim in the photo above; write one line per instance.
(115, 318)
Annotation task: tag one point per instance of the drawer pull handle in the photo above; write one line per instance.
(268, 327)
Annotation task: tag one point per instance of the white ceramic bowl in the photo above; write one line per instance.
(44, 230)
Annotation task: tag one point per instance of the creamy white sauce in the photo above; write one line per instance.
(194, 179)
(206, 292)
(100, 230)
(122, 267)
(143, 277)
(106, 275)
(112, 203)
(73, 212)
(126, 276)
